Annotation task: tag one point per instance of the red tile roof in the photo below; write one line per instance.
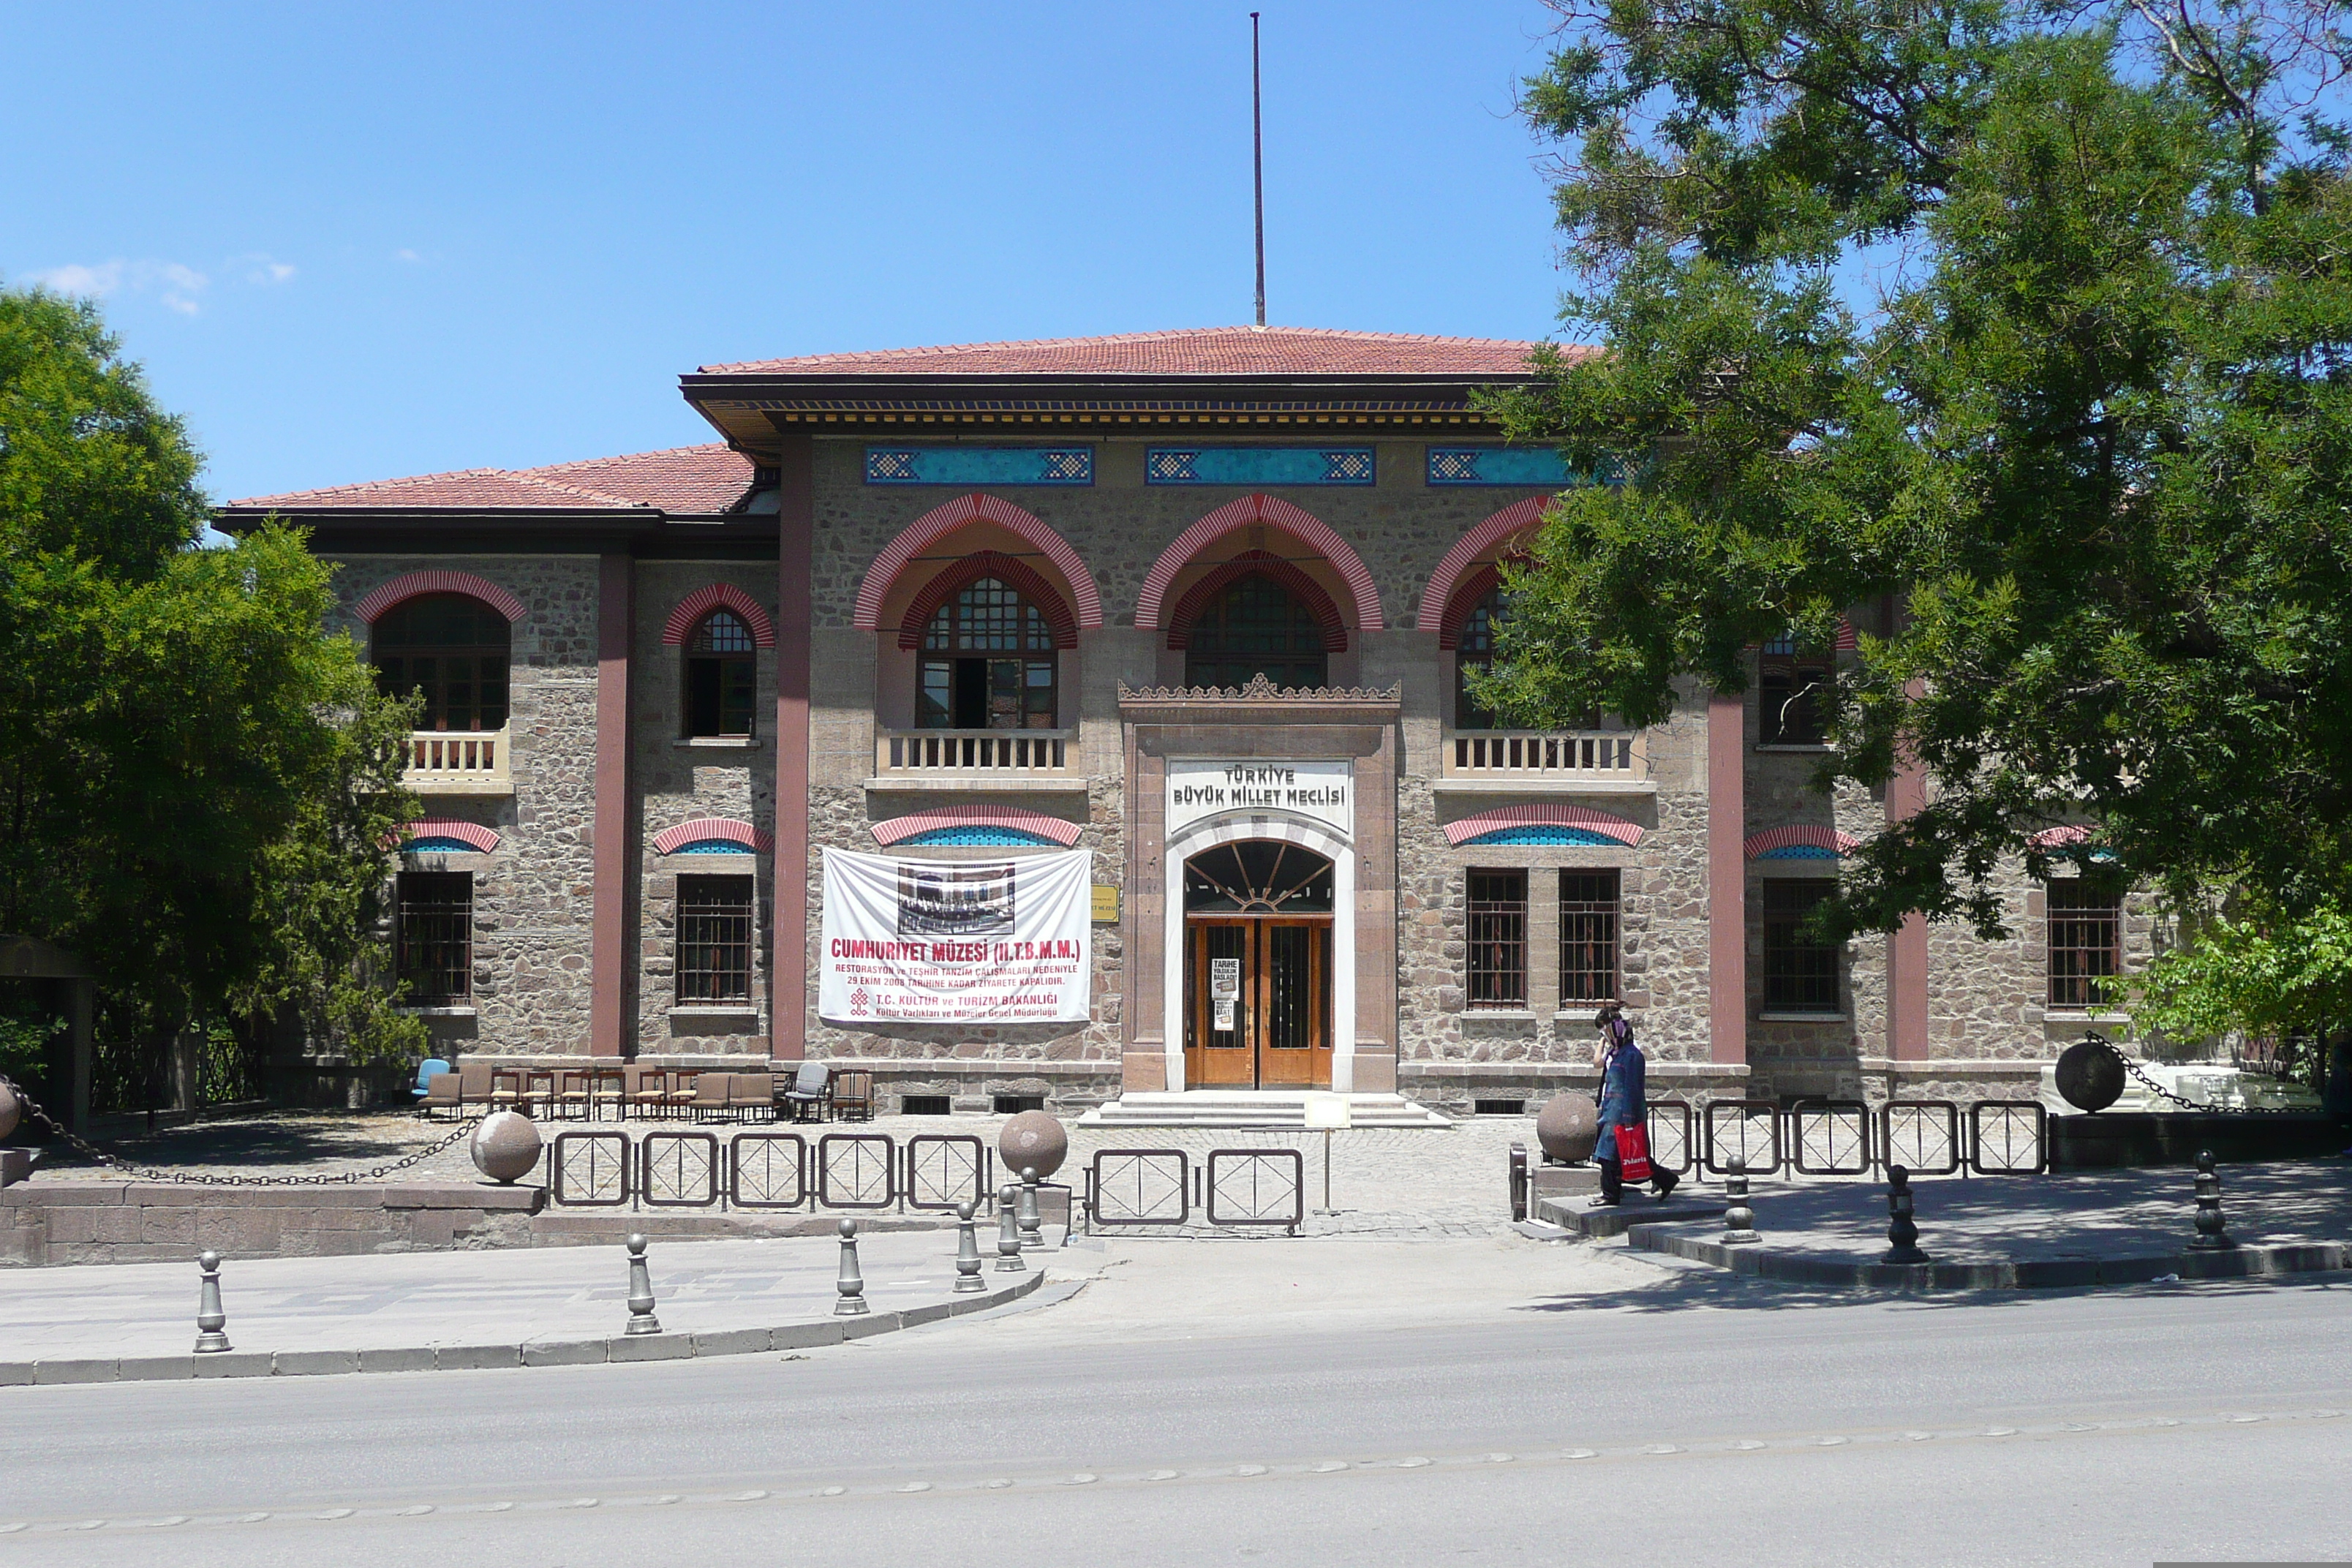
(1205, 351)
(690, 479)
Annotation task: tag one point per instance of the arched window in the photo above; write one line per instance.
(451, 648)
(1474, 650)
(987, 663)
(719, 676)
(1255, 626)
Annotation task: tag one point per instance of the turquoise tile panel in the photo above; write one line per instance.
(1251, 466)
(979, 465)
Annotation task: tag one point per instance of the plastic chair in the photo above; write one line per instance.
(426, 1071)
(811, 1090)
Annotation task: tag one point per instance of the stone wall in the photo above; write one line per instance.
(531, 897)
(44, 1222)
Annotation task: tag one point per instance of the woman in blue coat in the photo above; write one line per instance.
(1622, 1104)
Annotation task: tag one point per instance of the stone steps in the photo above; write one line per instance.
(1278, 1110)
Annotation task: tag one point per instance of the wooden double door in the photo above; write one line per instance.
(1257, 1001)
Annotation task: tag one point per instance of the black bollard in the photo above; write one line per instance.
(210, 1318)
(2213, 1231)
(1901, 1228)
(1738, 1220)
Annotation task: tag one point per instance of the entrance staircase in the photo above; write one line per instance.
(1276, 1109)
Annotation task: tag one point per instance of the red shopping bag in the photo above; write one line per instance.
(1633, 1152)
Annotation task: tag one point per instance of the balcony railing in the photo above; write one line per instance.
(1535, 756)
(976, 753)
(454, 762)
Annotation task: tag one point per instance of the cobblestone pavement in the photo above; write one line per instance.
(1393, 1183)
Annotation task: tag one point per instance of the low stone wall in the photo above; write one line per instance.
(145, 1222)
(49, 1222)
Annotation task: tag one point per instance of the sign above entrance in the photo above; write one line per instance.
(1320, 791)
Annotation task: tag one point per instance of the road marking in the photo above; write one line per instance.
(1498, 1459)
(1162, 1475)
(753, 1496)
(999, 1484)
(335, 1513)
(1413, 1464)
(1083, 1479)
(1830, 1442)
(1260, 1469)
(414, 1511)
(837, 1491)
(1745, 1444)
(1661, 1448)
(916, 1487)
(2000, 1431)
(1577, 1454)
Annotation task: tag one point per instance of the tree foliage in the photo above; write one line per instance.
(2020, 336)
(198, 788)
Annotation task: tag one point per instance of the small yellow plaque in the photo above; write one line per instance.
(1105, 904)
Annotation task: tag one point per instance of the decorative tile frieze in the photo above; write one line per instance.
(979, 465)
(1259, 690)
(1256, 465)
(1519, 466)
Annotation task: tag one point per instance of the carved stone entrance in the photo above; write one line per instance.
(1258, 969)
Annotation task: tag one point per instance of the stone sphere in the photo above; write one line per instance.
(506, 1146)
(11, 1110)
(1567, 1126)
(2090, 1075)
(1034, 1140)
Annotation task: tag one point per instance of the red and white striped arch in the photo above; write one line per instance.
(1274, 512)
(899, 828)
(1517, 518)
(1018, 575)
(1545, 813)
(1799, 835)
(940, 521)
(715, 596)
(468, 833)
(413, 585)
(2060, 838)
(704, 829)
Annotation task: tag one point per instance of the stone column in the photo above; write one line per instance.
(1727, 878)
(787, 963)
(609, 939)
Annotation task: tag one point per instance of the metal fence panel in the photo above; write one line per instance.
(1923, 1136)
(1669, 1122)
(1830, 1137)
(1747, 1128)
(766, 1170)
(678, 1170)
(947, 1169)
(1257, 1186)
(857, 1171)
(1138, 1186)
(591, 1170)
(2008, 1137)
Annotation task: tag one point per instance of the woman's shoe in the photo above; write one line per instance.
(1667, 1182)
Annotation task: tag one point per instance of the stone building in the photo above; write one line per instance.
(1196, 602)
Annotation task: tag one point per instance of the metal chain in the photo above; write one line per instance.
(2093, 1036)
(206, 1179)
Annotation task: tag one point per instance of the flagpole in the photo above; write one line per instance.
(1257, 169)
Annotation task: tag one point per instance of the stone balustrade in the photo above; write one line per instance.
(453, 761)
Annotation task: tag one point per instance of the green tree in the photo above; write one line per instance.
(2021, 335)
(199, 789)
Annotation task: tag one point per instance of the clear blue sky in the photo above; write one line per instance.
(352, 242)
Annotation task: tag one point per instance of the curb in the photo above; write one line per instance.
(2006, 1274)
(618, 1350)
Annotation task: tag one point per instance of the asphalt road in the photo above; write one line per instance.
(2210, 1422)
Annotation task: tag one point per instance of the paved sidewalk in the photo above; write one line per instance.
(414, 1311)
(2035, 1232)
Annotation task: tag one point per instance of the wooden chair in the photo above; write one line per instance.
(853, 1095)
(506, 1089)
(646, 1091)
(440, 1094)
(607, 1087)
(712, 1099)
(567, 1098)
(475, 1081)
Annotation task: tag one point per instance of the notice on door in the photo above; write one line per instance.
(955, 941)
(1320, 791)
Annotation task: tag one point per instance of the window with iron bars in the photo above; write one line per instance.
(714, 939)
(434, 936)
(1801, 974)
(1498, 939)
(1587, 936)
(2085, 942)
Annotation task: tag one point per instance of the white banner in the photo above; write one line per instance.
(955, 941)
